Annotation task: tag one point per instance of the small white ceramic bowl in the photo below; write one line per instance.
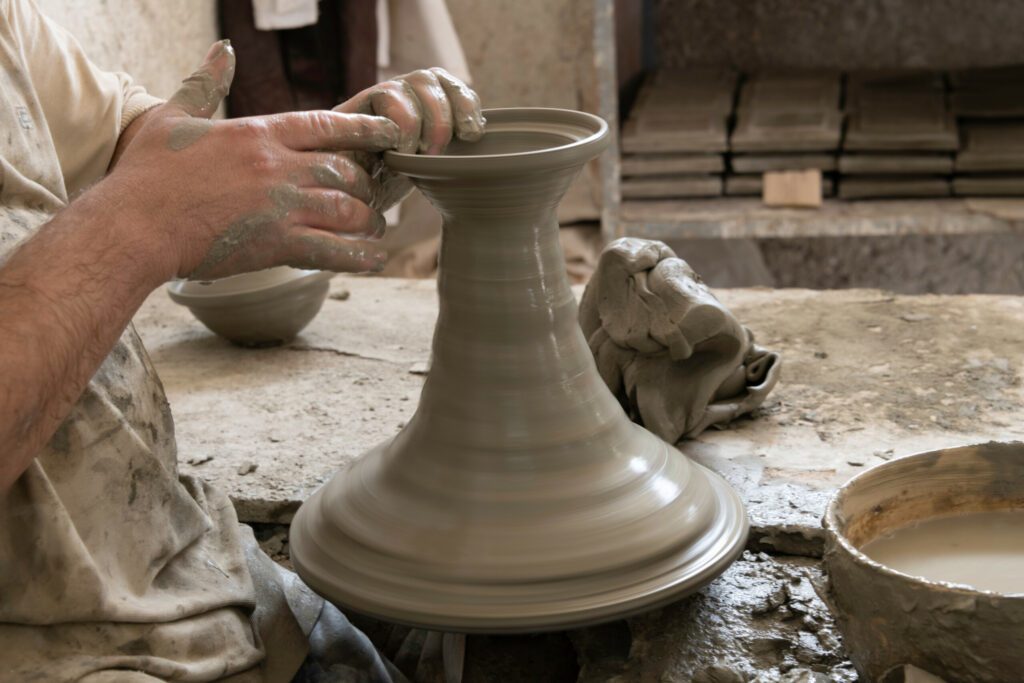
(264, 308)
(888, 618)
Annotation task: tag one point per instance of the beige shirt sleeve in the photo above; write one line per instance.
(86, 108)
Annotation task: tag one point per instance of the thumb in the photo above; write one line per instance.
(201, 93)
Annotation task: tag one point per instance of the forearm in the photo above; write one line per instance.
(66, 295)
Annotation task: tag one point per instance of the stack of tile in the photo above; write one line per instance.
(900, 136)
(989, 104)
(676, 135)
(785, 121)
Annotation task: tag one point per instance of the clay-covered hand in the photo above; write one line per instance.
(217, 198)
(676, 358)
(431, 108)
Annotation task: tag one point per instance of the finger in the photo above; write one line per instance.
(390, 99)
(371, 163)
(469, 121)
(330, 130)
(337, 212)
(436, 110)
(201, 93)
(316, 249)
(335, 172)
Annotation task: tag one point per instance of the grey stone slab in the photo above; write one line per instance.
(763, 621)
(893, 186)
(1008, 75)
(991, 146)
(743, 185)
(898, 114)
(710, 89)
(671, 186)
(786, 131)
(992, 101)
(791, 91)
(897, 80)
(788, 112)
(676, 131)
(989, 186)
(668, 164)
(761, 163)
(681, 111)
(897, 164)
(752, 185)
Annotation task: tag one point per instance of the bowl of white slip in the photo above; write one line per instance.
(263, 308)
(925, 557)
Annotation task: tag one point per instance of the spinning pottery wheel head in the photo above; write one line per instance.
(520, 496)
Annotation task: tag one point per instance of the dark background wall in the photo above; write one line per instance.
(841, 34)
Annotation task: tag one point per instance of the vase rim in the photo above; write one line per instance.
(583, 135)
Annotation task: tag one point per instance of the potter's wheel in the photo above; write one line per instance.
(520, 497)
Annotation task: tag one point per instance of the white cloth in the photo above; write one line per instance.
(273, 15)
(418, 34)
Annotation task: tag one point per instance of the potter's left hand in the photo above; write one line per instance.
(431, 107)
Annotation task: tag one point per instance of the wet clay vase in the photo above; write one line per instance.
(519, 497)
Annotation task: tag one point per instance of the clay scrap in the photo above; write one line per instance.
(674, 356)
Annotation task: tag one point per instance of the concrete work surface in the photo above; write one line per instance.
(867, 376)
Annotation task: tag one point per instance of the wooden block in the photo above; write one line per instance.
(792, 188)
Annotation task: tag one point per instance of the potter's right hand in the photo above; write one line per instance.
(217, 198)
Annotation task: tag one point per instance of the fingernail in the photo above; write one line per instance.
(217, 49)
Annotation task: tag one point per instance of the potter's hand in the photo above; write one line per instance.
(225, 197)
(430, 107)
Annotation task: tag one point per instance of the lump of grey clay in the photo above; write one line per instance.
(677, 359)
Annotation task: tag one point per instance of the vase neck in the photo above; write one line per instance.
(507, 329)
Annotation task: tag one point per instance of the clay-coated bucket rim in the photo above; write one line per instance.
(586, 136)
(832, 524)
